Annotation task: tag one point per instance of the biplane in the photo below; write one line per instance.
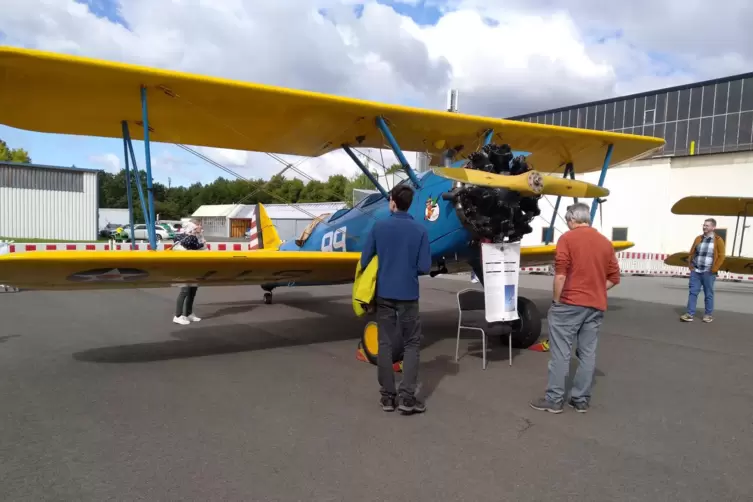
(477, 192)
(739, 207)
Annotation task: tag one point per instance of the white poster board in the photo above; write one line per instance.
(501, 266)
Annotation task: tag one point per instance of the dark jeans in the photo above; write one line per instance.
(399, 334)
(184, 305)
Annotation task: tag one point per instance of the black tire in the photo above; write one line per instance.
(527, 329)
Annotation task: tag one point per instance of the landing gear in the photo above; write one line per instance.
(369, 345)
(268, 294)
(527, 329)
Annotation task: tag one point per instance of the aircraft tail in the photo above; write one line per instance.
(264, 235)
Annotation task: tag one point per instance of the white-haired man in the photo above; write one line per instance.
(585, 268)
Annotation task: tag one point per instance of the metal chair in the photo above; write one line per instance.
(471, 302)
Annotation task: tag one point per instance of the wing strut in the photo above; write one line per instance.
(382, 125)
(569, 171)
(603, 175)
(129, 146)
(365, 171)
(126, 142)
(152, 224)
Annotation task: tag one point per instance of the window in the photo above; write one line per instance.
(696, 97)
(735, 93)
(717, 133)
(722, 232)
(661, 108)
(707, 106)
(720, 100)
(731, 130)
(681, 138)
(619, 115)
(571, 118)
(649, 116)
(747, 94)
(672, 101)
(704, 143)
(629, 113)
(609, 117)
(745, 135)
(590, 117)
(619, 233)
(694, 131)
(557, 118)
(669, 137)
(683, 108)
(581, 117)
(600, 118)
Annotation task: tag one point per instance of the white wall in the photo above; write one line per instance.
(643, 193)
(49, 214)
(118, 216)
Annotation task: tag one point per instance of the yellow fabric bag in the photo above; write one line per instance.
(364, 287)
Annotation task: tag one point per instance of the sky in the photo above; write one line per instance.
(505, 57)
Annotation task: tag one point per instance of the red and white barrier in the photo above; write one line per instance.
(112, 246)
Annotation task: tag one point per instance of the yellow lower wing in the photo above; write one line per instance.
(527, 184)
(73, 270)
(732, 264)
(79, 270)
(537, 256)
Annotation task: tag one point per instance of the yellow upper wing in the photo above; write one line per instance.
(714, 206)
(733, 264)
(56, 93)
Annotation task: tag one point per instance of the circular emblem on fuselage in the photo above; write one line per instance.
(431, 213)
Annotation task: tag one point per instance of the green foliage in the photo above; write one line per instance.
(13, 155)
(178, 202)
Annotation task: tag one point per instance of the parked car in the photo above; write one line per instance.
(110, 229)
(140, 232)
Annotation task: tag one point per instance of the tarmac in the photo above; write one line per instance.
(103, 398)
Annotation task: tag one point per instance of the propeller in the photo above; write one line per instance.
(527, 184)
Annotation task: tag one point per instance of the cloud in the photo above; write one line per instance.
(506, 57)
(107, 161)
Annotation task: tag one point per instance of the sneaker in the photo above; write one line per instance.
(580, 406)
(707, 318)
(410, 405)
(686, 318)
(193, 318)
(181, 320)
(388, 403)
(543, 404)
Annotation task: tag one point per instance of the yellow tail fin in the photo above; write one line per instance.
(269, 237)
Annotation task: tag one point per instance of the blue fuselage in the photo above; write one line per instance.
(346, 230)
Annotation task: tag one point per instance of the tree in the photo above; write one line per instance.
(13, 155)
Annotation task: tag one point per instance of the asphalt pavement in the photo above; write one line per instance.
(103, 398)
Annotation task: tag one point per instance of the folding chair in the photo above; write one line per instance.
(471, 302)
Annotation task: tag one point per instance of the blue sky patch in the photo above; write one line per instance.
(106, 9)
(422, 13)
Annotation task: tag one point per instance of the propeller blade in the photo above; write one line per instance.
(527, 184)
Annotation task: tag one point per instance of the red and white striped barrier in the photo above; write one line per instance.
(111, 246)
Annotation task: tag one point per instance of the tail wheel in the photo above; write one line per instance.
(370, 341)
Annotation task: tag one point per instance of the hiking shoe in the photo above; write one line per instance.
(707, 318)
(543, 404)
(410, 405)
(686, 318)
(579, 406)
(388, 403)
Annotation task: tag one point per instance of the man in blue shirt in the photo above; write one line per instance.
(402, 247)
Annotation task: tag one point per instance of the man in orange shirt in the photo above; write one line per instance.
(585, 268)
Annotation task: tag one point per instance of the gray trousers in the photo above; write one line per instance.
(399, 328)
(567, 324)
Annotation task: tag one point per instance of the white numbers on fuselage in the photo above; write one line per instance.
(334, 240)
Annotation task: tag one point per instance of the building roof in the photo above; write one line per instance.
(692, 85)
(213, 210)
(56, 168)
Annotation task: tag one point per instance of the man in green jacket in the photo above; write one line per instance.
(706, 256)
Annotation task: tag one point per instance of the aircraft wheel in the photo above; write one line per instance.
(268, 298)
(527, 329)
(370, 342)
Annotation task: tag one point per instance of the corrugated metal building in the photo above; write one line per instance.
(220, 220)
(48, 202)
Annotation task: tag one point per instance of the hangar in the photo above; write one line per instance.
(708, 129)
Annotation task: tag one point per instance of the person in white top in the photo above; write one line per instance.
(191, 239)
